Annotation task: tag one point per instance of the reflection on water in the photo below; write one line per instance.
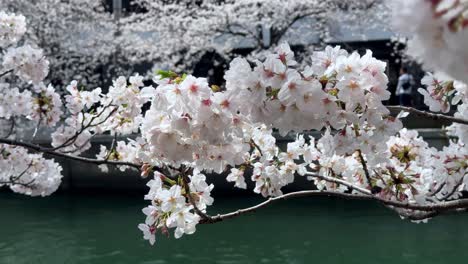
(102, 229)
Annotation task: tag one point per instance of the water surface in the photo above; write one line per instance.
(102, 229)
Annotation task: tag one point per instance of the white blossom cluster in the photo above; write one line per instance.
(12, 28)
(408, 169)
(337, 90)
(443, 94)
(172, 205)
(188, 122)
(47, 106)
(130, 151)
(31, 173)
(28, 63)
(21, 171)
(13, 102)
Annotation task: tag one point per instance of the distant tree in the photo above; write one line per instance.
(77, 36)
(185, 30)
(85, 41)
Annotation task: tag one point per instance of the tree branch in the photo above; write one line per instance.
(438, 117)
(364, 167)
(427, 210)
(340, 181)
(62, 155)
(5, 73)
(221, 217)
(185, 180)
(280, 33)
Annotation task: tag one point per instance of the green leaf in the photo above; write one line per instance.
(166, 74)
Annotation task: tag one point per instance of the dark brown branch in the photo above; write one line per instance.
(71, 140)
(252, 142)
(11, 129)
(13, 179)
(280, 33)
(66, 156)
(428, 210)
(221, 217)
(5, 73)
(364, 167)
(28, 184)
(437, 117)
(185, 179)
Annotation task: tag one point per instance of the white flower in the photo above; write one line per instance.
(152, 214)
(237, 176)
(201, 190)
(324, 60)
(171, 199)
(183, 220)
(136, 80)
(149, 232)
(90, 98)
(285, 54)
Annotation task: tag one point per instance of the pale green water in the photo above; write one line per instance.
(102, 229)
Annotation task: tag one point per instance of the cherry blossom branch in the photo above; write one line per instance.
(112, 147)
(197, 210)
(6, 72)
(364, 167)
(340, 181)
(83, 128)
(252, 142)
(431, 209)
(62, 155)
(457, 185)
(222, 217)
(27, 184)
(14, 179)
(282, 32)
(11, 129)
(437, 117)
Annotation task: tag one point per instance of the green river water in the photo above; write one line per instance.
(102, 229)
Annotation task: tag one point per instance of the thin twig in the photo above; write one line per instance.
(112, 147)
(15, 178)
(340, 181)
(185, 179)
(252, 142)
(5, 73)
(70, 141)
(439, 117)
(12, 128)
(364, 167)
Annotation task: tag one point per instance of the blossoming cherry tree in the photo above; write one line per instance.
(192, 129)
